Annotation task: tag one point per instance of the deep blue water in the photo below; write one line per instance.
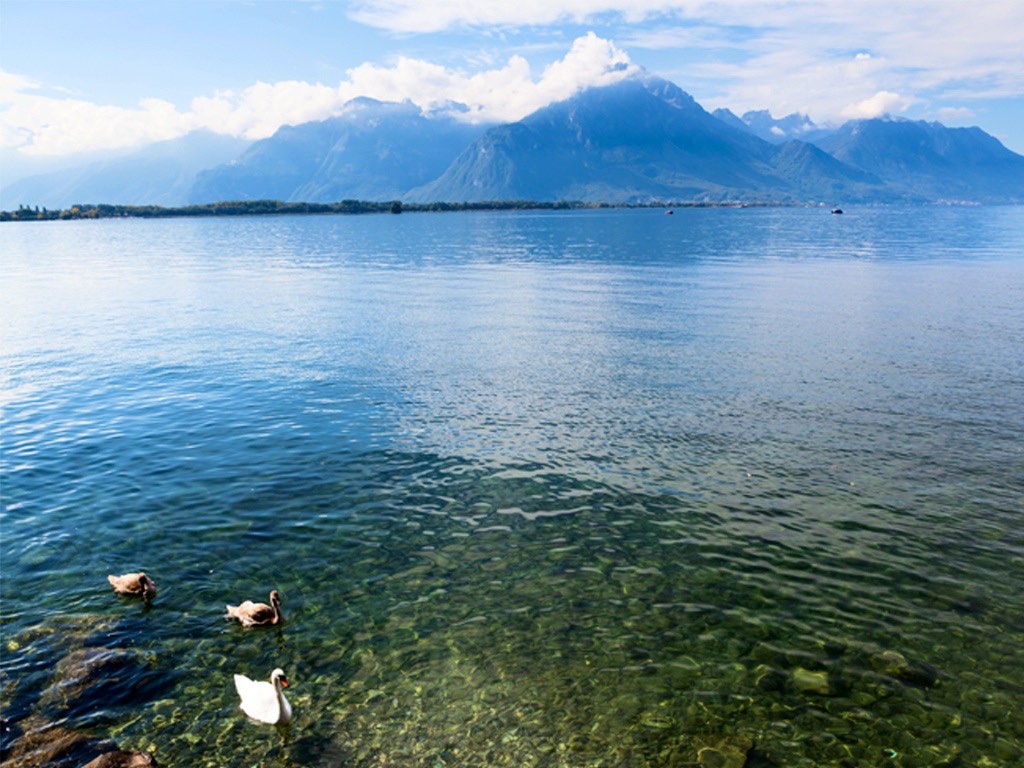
(602, 488)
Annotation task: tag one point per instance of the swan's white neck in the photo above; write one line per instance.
(283, 707)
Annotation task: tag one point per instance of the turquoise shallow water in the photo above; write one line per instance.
(604, 488)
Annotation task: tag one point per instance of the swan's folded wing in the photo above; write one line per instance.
(259, 700)
(250, 612)
(242, 684)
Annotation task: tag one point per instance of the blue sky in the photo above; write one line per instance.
(87, 76)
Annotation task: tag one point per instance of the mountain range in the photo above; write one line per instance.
(162, 173)
(373, 151)
(640, 140)
(771, 129)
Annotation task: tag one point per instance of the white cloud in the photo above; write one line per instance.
(11, 85)
(955, 115)
(591, 61)
(825, 58)
(262, 108)
(882, 103)
(502, 94)
(45, 125)
(820, 57)
(416, 16)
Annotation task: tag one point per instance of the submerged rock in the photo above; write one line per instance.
(896, 665)
(972, 602)
(44, 743)
(724, 751)
(100, 680)
(89, 674)
(921, 674)
(122, 759)
(767, 678)
(889, 662)
(88, 683)
(808, 681)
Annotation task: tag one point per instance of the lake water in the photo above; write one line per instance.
(594, 488)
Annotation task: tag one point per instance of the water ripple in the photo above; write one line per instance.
(536, 490)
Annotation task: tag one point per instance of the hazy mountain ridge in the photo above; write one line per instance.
(641, 140)
(771, 129)
(917, 158)
(159, 174)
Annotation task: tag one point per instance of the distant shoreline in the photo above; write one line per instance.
(279, 208)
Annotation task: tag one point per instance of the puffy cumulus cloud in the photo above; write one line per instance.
(502, 93)
(882, 103)
(38, 124)
(590, 61)
(43, 125)
(493, 95)
(259, 110)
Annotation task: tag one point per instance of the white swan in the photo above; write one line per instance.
(265, 701)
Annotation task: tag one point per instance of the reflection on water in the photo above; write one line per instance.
(588, 489)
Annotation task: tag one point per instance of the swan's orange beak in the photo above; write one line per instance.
(284, 682)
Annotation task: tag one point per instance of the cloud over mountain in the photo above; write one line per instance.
(42, 123)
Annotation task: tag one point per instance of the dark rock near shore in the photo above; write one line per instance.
(90, 682)
(46, 723)
(122, 759)
(44, 744)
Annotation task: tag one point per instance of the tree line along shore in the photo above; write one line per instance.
(279, 208)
